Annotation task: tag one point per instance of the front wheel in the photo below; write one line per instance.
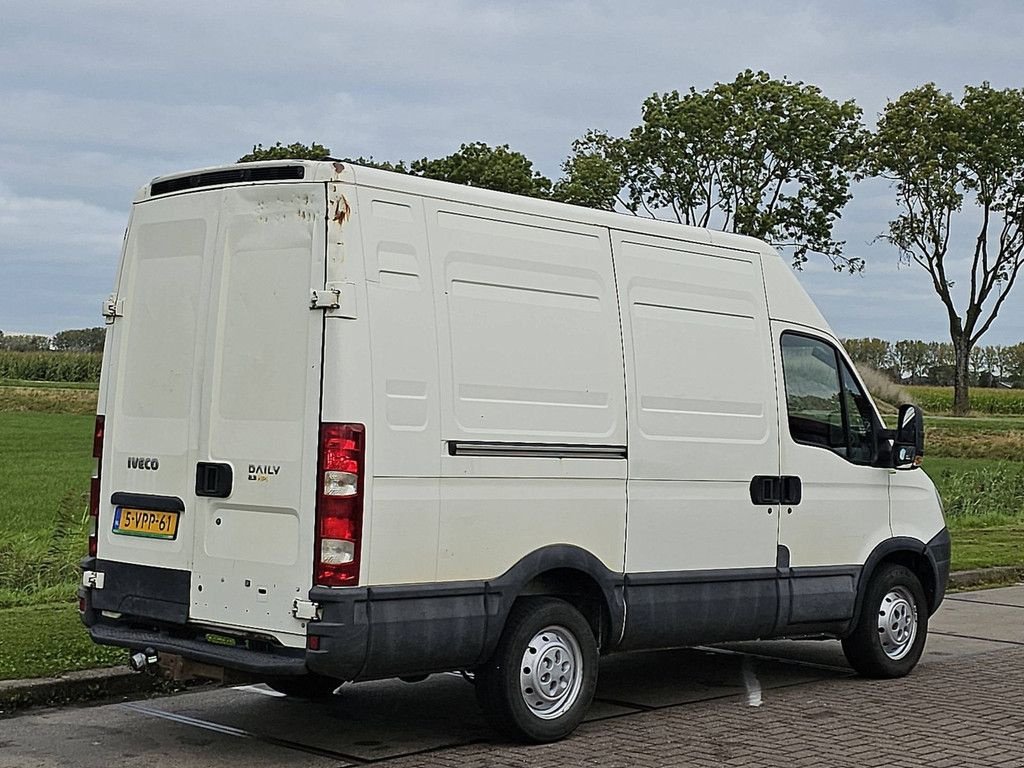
(541, 679)
(890, 633)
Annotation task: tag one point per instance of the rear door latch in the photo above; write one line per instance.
(92, 579)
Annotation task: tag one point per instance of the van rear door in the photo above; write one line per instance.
(213, 401)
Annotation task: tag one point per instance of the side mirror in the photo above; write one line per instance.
(908, 448)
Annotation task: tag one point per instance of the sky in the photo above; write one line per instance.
(97, 97)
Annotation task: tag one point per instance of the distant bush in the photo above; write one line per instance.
(50, 366)
(997, 402)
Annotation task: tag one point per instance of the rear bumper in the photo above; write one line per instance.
(152, 604)
(259, 663)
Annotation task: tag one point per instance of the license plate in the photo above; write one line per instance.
(145, 522)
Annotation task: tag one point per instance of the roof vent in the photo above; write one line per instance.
(240, 174)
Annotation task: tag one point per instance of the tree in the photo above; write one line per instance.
(24, 342)
(590, 180)
(279, 151)
(1013, 363)
(876, 353)
(759, 156)
(941, 155)
(82, 340)
(910, 357)
(479, 165)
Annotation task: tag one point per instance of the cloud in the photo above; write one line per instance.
(99, 96)
(70, 231)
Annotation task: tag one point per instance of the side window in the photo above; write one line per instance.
(826, 406)
(860, 420)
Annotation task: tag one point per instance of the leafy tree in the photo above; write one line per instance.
(942, 155)
(384, 165)
(479, 165)
(24, 342)
(591, 180)
(82, 340)
(911, 359)
(874, 352)
(1013, 363)
(279, 151)
(759, 156)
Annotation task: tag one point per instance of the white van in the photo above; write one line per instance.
(355, 424)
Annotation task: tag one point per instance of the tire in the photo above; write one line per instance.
(890, 633)
(516, 688)
(304, 686)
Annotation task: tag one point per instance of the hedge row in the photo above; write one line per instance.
(50, 366)
(999, 402)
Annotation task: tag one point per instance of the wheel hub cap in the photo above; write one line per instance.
(550, 674)
(897, 623)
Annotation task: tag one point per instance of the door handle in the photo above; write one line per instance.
(764, 489)
(792, 490)
(213, 479)
(770, 489)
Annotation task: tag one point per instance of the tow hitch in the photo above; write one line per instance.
(144, 661)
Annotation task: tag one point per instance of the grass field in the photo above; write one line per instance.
(46, 639)
(46, 456)
(1000, 402)
(44, 493)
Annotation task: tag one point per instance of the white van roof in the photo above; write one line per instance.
(787, 300)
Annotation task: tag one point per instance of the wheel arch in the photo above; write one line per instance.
(912, 554)
(569, 573)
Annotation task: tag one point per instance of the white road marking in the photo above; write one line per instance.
(258, 689)
(754, 697)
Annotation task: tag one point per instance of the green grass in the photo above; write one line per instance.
(62, 400)
(47, 461)
(978, 493)
(46, 640)
(986, 547)
(93, 385)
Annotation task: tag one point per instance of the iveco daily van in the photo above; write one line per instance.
(355, 424)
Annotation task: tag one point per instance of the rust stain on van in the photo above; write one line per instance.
(342, 210)
(339, 168)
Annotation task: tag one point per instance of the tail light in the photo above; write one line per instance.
(94, 486)
(339, 507)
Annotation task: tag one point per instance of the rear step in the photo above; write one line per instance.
(257, 663)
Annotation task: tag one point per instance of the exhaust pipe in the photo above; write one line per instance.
(144, 661)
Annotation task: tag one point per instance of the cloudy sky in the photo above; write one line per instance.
(98, 97)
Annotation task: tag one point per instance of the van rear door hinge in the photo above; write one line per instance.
(338, 299)
(325, 298)
(112, 307)
(305, 610)
(92, 579)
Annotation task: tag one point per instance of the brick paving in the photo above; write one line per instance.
(965, 712)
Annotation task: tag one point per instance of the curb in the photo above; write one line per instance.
(110, 682)
(86, 685)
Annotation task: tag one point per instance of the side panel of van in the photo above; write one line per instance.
(532, 392)
(401, 527)
(700, 555)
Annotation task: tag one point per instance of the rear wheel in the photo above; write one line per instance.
(892, 627)
(304, 686)
(541, 679)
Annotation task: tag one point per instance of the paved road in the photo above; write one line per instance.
(749, 704)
